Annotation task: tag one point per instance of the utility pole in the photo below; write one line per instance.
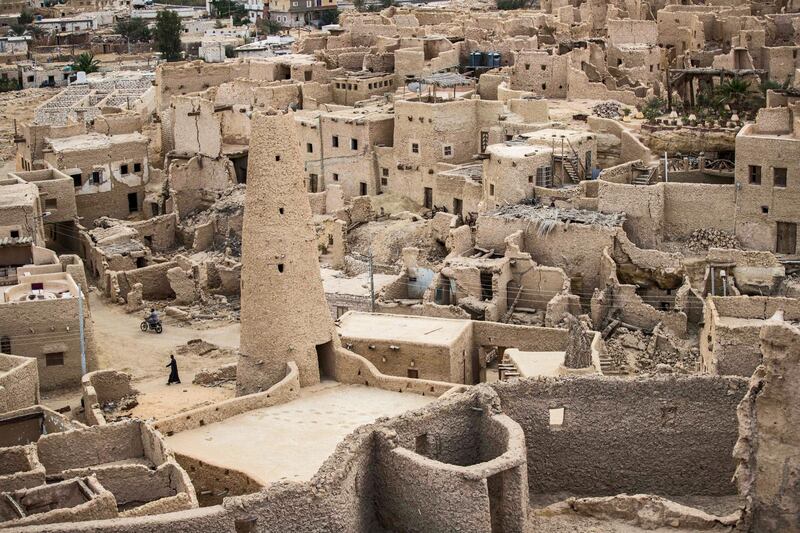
(371, 284)
(81, 331)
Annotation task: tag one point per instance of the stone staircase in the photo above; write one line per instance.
(506, 369)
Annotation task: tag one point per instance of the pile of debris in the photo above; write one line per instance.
(201, 348)
(632, 351)
(546, 218)
(608, 109)
(120, 408)
(703, 239)
(216, 377)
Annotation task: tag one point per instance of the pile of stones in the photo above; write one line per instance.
(703, 239)
(608, 110)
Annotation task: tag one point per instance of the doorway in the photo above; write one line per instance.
(786, 241)
(427, 200)
(133, 202)
(495, 485)
(326, 361)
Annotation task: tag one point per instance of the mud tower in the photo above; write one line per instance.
(284, 313)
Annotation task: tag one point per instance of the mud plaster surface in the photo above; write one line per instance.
(291, 441)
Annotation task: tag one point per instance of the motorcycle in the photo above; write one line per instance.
(147, 325)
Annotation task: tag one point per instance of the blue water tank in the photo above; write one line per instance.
(475, 59)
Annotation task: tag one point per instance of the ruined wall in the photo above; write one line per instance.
(280, 265)
(635, 436)
(643, 208)
(768, 470)
(729, 343)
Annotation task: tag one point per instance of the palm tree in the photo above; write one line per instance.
(86, 63)
(734, 92)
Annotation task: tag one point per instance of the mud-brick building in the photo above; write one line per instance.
(40, 317)
(768, 181)
(339, 148)
(20, 211)
(57, 200)
(109, 173)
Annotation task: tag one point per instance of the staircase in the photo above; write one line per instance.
(645, 178)
(572, 167)
(607, 366)
(506, 369)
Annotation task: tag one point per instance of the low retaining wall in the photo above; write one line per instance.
(284, 391)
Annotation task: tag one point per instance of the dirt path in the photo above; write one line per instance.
(122, 346)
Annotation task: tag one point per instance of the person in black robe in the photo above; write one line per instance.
(173, 373)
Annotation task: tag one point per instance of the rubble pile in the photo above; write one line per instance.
(608, 109)
(216, 377)
(677, 360)
(703, 239)
(120, 408)
(634, 351)
(201, 348)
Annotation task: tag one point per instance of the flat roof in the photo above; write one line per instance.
(533, 364)
(93, 141)
(402, 328)
(333, 281)
(291, 441)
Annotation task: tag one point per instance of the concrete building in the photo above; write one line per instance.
(298, 13)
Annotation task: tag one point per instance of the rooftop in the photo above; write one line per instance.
(291, 441)
(94, 141)
(401, 328)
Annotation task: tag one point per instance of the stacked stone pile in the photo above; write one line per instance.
(608, 109)
(705, 238)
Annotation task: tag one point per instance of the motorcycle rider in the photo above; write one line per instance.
(152, 319)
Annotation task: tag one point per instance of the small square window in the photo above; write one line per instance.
(77, 179)
(137, 167)
(527, 66)
(340, 310)
(491, 189)
(51, 203)
(779, 177)
(14, 233)
(335, 141)
(414, 148)
(309, 148)
(123, 169)
(556, 418)
(544, 67)
(765, 209)
(384, 181)
(413, 373)
(354, 144)
(97, 177)
(335, 176)
(448, 151)
(54, 359)
(754, 173)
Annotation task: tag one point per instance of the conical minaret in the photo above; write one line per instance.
(284, 313)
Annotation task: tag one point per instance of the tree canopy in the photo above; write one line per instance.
(168, 35)
(85, 63)
(135, 30)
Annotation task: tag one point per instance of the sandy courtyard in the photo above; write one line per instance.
(291, 441)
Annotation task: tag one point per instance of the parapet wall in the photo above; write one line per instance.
(19, 382)
(646, 435)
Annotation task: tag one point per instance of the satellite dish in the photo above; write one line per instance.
(414, 86)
